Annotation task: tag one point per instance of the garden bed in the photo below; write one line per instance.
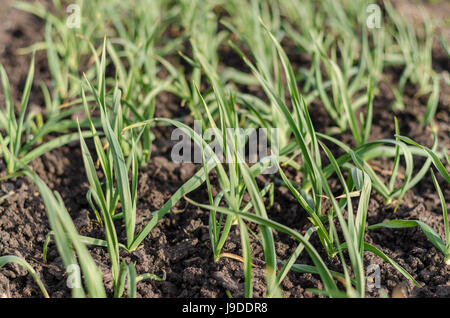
(179, 246)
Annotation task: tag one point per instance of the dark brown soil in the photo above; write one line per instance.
(179, 245)
(19, 30)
